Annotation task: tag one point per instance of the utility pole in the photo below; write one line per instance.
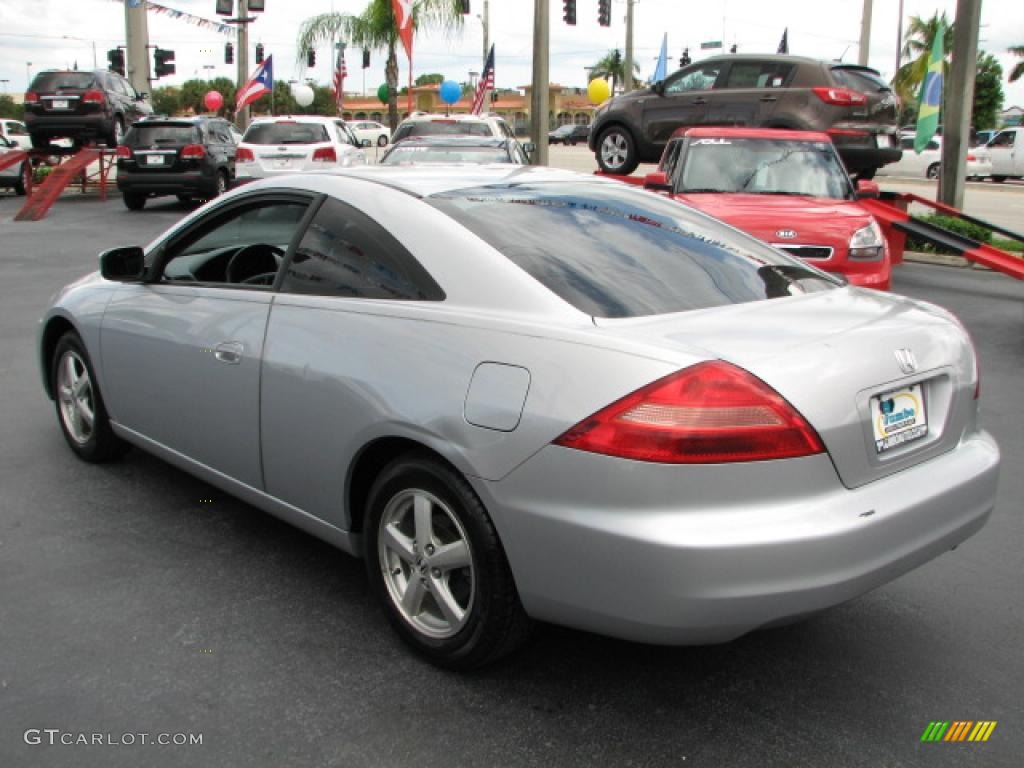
(899, 40)
(865, 33)
(959, 93)
(539, 95)
(627, 77)
(242, 118)
(136, 33)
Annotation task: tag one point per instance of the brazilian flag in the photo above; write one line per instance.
(930, 98)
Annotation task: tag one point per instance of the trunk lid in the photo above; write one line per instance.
(831, 355)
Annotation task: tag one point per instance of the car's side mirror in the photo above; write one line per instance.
(867, 190)
(657, 180)
(659, 87)
(366, 143)
(125, 265)
(529, 147)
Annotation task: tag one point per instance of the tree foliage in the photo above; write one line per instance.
(9, 109)
(988, 92)
(434, 78)
(1018, 69)
(917, 49)
(613, 67)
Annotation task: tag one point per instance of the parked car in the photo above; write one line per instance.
(929, 162)
(279, 145)
(17, 177)
(852, 104)
(367, 130)
(429, 124)
(1007, 152)
(569, 134)
(668, 432)
(15, 130)
(788, 188)
(82, 106)
(192, 158)
(475, 150)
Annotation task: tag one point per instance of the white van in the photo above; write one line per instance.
(1007, 151)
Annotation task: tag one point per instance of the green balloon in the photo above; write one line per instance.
(382, 93)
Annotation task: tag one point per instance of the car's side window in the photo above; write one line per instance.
(16, 129)
(906, 143)
(245, 246)
(699, 79)
(670, 157)
(345, 253)
(757, 74)
(1004, 139)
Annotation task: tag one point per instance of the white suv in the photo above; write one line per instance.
(424, 124)
(280, 145)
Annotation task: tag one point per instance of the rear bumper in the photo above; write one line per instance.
(197, 182)
(682, 555)
(866, 158)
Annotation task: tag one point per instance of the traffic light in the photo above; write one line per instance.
(163, 62)
(229, 53)
(366, 58)
(464, 6)
(604, 12)
(226, 7)
(685, 58)
(257, 6)
(311, 59)
(733, 49)
(259, 53)
(116, 58)
(569, 12)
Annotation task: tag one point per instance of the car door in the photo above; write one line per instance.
(1002, 149)
(748, 93)
(682, 102)
(182, 351)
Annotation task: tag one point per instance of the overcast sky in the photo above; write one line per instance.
(33, 30)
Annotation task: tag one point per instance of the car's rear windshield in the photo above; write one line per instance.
(442, 128)
(614, 252)
(285, 133)
(53, 81)
(476, 155)
(169, 134)
(863, 80)
(764, 167)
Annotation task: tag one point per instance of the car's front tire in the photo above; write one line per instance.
(933, 171)
(435, 561)
(616, 151)
(382, 141)
(21, 186)
(80, 410)
(998, 179)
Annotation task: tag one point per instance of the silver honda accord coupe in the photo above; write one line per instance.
(527, 394)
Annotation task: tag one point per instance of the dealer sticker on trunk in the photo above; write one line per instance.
(898, 417)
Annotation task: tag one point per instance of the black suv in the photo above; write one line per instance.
(852, 104)
(569, 134)
(80, 106)
(191, 157)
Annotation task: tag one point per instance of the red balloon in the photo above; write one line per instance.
(213, 100)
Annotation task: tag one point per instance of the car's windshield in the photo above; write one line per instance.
(285, 132)
(476, 155)
(55, 81)
(631, 253)
(763, 166)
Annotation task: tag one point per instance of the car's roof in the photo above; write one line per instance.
(458, 117)
(296, 119)
(453, 140)
(731, 132)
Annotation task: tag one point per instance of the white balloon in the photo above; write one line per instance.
(303, 95)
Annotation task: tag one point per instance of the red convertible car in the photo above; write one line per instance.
(788, 188)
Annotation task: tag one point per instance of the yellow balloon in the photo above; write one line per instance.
(598, 90)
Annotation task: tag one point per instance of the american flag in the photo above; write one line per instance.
(340, 73)
(262, 81)
(486, 84)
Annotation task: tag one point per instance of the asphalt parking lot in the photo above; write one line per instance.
(136, 599)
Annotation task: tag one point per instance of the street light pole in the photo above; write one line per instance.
(627, 77)
(865, 33)
(539, 94)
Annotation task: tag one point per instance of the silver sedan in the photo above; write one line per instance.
(528, 394)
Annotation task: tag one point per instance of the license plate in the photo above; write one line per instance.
(59, 104)
(898, 417)
(154, 159)
(282, 163)
(883, 140)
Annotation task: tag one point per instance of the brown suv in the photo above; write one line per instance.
(852, 104)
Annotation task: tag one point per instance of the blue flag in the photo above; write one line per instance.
(661, 69)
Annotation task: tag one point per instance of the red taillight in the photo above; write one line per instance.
(193, 152)
(93, 97)
(244, 155)
(841, 97)
(971, 159)
(31, 97)
(325, 155)
(709, 413)
(123, 152)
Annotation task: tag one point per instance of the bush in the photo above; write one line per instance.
(40, 172)
(951, 224)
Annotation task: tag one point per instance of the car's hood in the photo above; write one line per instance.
(804, 219)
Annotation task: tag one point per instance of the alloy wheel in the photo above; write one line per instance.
(614, 150)
(77, 406)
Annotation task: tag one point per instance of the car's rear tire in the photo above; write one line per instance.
(435, 561)
(21, 186)
(134, 201)
(933, 171)
(998, 179)
(616, 151)
(117, 133)
(80, 410)
(382, 141)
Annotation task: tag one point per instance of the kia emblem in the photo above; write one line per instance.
(785, 234)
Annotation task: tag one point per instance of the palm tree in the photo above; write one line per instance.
(1018, 69)
(613, 66)
(917, 49)
(375, 29)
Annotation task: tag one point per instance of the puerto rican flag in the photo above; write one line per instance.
(261, 82)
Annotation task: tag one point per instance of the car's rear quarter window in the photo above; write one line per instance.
(285, 133)
(613, 252)
(862, 80)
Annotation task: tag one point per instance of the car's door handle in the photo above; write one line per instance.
(229, 353)
(700, 101)
(769, 98)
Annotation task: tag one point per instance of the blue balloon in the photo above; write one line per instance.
(450, 91)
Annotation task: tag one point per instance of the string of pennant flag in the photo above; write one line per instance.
(188, 18)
